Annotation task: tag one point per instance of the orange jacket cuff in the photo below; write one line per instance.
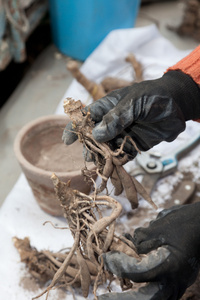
(190, 65)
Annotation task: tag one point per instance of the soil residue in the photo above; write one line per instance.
(47, 151)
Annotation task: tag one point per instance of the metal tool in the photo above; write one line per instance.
(153, 168)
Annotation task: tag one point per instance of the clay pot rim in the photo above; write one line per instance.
(24, 162)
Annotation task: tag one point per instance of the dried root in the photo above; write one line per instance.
(93, 235)
(109, 163)
(113, 83)
(94, 89)
(108, 84)
(136, 67)
(43, 265)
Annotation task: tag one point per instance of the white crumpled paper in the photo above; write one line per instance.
(21, 216)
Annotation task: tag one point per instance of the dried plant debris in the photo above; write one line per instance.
(93, 235)
(109, 164)
(81, 266)
(113, 83)
(94, 89)
(137, 67)
(92, 230)
(108, 84)
(190, 23)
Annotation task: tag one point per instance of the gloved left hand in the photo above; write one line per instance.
(173, 267)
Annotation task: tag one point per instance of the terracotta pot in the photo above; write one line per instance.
(40, 152)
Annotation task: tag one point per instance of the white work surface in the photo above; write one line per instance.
(21, 216)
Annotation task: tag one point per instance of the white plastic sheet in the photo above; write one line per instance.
(21, 216)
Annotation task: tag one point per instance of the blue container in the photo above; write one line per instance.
(78, 26)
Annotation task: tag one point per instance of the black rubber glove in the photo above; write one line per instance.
(150, 112)
(174, 266)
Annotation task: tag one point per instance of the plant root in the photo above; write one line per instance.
(109, 83)
(95, 90)
(113, 83)
(93, 235)
(109, 163)
(136, 67)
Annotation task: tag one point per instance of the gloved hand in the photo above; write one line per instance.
(150, 112)
(174, 266)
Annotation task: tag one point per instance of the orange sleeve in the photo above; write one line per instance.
(190, 65)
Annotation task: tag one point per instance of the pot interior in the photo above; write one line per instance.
(42, 146)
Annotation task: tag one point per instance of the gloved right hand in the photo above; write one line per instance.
(149, 112)
(173, 265)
